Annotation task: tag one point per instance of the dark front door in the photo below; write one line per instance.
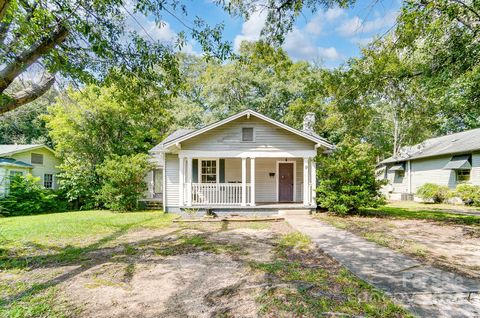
(285, 182)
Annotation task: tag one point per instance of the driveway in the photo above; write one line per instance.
(426, 291)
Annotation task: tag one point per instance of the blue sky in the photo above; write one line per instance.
(327, 36)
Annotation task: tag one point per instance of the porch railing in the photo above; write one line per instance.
(218, 193)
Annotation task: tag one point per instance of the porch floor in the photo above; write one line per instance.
(258, 205)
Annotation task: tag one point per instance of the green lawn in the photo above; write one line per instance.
(67, 235)
(425, 211)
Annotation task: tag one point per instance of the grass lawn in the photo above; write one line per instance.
(81, 264)
(426, 211)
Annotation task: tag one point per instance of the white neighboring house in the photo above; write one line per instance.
(38, 160)
(448, 160)
(247, 161)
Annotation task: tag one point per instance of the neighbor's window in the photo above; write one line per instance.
(399, 175)
(37, 158)
(209, 171)
(463, 175)
(16, 173)
(247, 134)
(48, 181)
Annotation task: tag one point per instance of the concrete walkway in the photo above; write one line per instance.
(424, 290)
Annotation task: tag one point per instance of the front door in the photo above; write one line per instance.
(285, 181)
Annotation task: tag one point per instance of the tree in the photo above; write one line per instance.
(123, 181)
(347, 179)
(95, 123)
(84, 40)
(26, 125)
(262, 78)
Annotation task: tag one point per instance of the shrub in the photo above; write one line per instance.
(469, 194)
(26, 196)
(123, 181)
(433, 192)
(347, 180)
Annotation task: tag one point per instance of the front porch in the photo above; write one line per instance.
(248, 183)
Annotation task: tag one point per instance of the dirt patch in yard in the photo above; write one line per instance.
(202, 270)
(454, 247)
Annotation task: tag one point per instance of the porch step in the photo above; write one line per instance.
(153, 205)
(295, 212)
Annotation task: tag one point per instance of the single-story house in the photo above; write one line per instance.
(37, 160)
(247, 161)
(448, 160)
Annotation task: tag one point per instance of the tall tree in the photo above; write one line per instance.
(83, 40)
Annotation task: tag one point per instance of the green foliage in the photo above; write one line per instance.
(26, 196)
(433, 192)
(96, 123)
(469, 194)
(347, 180)
(123, 181)
(262, 78)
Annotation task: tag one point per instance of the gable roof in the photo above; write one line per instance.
(176, 134)
(184, 135)
(458, 143)
(7, 150)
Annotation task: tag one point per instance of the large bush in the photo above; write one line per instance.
(123, 181)
(469, 194)
(347, 180)
(26, 196)
(433, 192)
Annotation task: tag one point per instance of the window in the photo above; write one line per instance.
(37, 158)
(463, 175)
(399, 175)
(247, 134)
(209, 171)
(16, 173)
(48, 181)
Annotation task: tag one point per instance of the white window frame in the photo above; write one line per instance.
(39, 154)
(397, 178)
(44, 180)
(217, 174)
(15, 173)
(254, 137)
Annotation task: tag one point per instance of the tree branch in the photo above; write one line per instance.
(4, 4)
(10, 102)
(31, 55)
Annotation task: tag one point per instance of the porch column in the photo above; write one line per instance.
(181, 179)
(306, 190)
(244, 181)
(189, 181)
(252, 181)
(313, 180)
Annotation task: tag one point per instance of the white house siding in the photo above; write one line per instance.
(475, 173)
(265, 186)
(49, 166)
(397, 184)
(430, 170)
(267, 137)
(171, 180)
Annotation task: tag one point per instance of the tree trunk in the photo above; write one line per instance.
(10, 102)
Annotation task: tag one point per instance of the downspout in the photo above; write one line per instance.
(164, 188)
(409, 171)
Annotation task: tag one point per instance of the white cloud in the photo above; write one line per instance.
(301, 47)
(355, 25)
(315, 26)
(334, 13)
(251, 29)
(350, 27)
(361, 41)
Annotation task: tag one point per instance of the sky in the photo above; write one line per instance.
(326, 36)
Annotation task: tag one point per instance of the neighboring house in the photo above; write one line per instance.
(38, 160)
(447, 160)
(246, 161)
